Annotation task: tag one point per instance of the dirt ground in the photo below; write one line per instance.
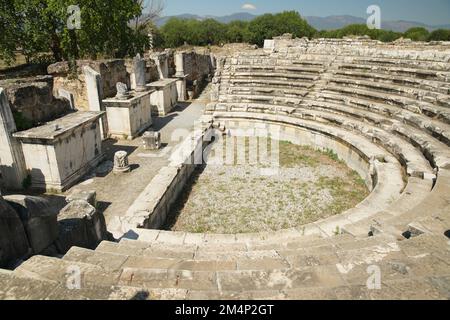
(308, 185)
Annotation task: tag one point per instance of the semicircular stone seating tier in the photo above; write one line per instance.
(384, 109)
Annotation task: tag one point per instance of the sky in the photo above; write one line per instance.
(433, 12)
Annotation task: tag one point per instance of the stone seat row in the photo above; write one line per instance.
(422, 67)
(266, 84)
(276, 61)
(270, 75)
(439, 61)
(435, 151)
(383, 113)
(429, 86)
(415, 74)
(357, 98)
(419, 157)
(419, 107)
(426, 96)
(426, 67)
(337, 270)
(275, 67)
(268, 99)
(412, 158)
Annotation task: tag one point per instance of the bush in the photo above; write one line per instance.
(417, 34)
(176, 32)
(439, 35)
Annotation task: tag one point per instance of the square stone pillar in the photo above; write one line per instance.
(12, 163)
(94, 92)
(140, 66)
(161, 61)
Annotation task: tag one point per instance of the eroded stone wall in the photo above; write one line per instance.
(73, 80)
(32, 101)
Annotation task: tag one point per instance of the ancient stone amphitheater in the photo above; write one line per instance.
(383, 108)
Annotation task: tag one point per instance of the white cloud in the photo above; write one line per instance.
(249, 6)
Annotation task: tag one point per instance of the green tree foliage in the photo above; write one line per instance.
(439, 35)
(360, 30)
(237, 31)
(268, 26)
(9, 30)
(174, 32)
(417, 34)
(177, 32)
(40, 26)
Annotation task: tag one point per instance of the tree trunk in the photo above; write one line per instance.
(56, 47)
(74, 53)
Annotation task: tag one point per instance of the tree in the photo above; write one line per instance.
(174, 32)
(439, 35)
(40, 26)
(9, 31)
(268, 26)
(212, 32)
(237, 32)
(417, 34)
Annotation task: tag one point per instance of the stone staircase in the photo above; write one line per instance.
(304, 268)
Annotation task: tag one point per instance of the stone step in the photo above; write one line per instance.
(59, 271)
(138, 248)
(266, 99)
(23, 288)
(429, 135)
(434, 85)
(236, 82)
(182, 252)
(404, 91)
(273, 68)
(272, 76)
(165, 240)
(169, 279)
(421, 69)
(14, 288)
(441, 113)
(260, 90)
(381, 114)
(115, 262)
(412, 158)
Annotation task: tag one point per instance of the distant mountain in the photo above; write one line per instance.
(337, 22)
(320, 23)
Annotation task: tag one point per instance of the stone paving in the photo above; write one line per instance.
(116, 192)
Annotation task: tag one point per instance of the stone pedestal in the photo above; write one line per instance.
(151, 140)
(129, 116)
(161, 61)
(94, 92)
(139, 73)
(121, 164)
(61, 152)
(12, 162)
(165, 96)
